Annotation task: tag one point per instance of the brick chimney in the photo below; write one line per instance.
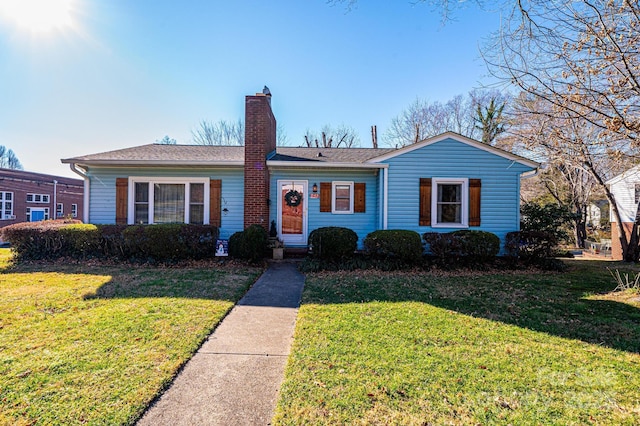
(259, 141)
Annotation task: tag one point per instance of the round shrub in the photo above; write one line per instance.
(333, 243)
(445, 247)
(478, 246)
(249, 244)
(530, 244)
(403, 245)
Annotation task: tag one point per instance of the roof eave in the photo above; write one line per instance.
(147, 163)
(326, 164)
(459, 138)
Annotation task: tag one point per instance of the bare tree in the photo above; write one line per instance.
(167, 141)
(228, 133)
(579, 59)
(8, 159)
(219, 133)
(342, 136)
(423, 119)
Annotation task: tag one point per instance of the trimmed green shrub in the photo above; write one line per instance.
(400, 244)
(445, 247)
(54, 239)
(333, 243)
(528, 245)
(112, 242)
(478, 246)
(170, 241)
(37, 240)
(79, 240)
(250, 244)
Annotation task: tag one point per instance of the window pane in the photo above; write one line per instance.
(196, 214)
(449, 213)
(168, 203)
(142, 214)
(342, 191)
(142, 192)
(342, 205)
(449, 193)
(197, 193)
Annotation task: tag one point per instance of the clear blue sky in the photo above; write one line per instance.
(126, 73)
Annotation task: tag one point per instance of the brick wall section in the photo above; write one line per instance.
(20, 183)
(616, 247)
(259, 141)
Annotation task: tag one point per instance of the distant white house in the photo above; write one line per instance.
(626, 189)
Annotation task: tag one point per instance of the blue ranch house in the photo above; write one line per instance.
(441, 184)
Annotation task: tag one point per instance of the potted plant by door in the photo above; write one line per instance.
(276, 245)
(278, 250)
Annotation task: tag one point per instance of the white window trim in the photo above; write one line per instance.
(74, 210)
(464, 214)
(3, 201)
(42, 198)
(334, 193)
(61, 212)
(167, 180)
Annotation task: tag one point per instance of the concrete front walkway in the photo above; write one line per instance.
(234, 378)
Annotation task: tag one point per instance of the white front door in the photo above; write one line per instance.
(292, 212)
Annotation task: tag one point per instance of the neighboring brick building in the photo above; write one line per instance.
(30, 197)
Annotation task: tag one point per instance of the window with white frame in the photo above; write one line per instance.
(6, 205)
(59, 210)
(74, 210)
(342, 201)
(450, 200)
(169, 200)
(38, 198)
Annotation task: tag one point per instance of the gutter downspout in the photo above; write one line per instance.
(85, 195)
(55, 199)
(385, 200)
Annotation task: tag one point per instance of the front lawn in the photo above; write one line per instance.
(502, 348)
(95, 344)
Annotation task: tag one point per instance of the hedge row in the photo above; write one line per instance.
(54, 239)
(400, 248)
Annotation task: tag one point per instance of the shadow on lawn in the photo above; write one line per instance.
(203, 281)
(556, 304)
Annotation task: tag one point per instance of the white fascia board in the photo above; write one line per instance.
(459, 138)
(320, 165)
(622, 175)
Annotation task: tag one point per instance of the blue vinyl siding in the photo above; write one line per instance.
(102, 209)
(500, 194)
(361, 223)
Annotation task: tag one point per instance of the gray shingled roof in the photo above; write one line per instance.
(206, 154)
(329, 155)
(160, 153)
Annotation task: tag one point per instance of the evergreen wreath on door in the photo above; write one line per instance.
(293, 198)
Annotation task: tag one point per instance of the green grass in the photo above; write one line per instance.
(502, 348)
(94, 344)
